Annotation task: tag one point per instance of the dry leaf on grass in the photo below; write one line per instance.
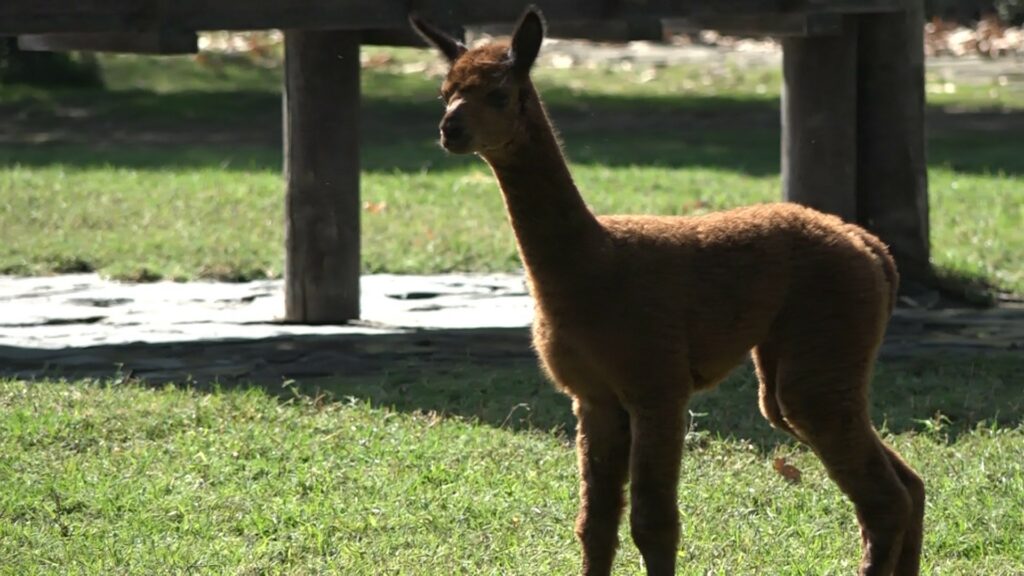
(375, 207)
(788, 471)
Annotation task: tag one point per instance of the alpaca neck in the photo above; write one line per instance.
(555, 231)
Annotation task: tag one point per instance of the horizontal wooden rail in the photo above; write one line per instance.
(156, 42)
(802, 25)
(99, 16)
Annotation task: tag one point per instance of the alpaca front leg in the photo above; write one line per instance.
(655, 455)
(602, 447)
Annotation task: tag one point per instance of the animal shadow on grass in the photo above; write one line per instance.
(491, 376)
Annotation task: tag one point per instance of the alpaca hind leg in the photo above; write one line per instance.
(658, 434)
(828, 409)
(602, 448)
(766, 364)
(909, 563)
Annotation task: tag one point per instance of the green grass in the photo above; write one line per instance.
(451, 469)
(467, 473)
(175, 170)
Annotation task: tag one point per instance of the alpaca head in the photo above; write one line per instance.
(487, 90)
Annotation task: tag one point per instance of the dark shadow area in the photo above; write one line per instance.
(977, 142)
(241, 130)
(491, 376)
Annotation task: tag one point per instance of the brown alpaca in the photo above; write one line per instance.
(636, 313)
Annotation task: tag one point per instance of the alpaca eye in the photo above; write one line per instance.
(497, 98)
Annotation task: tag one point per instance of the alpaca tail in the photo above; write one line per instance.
(885, 259)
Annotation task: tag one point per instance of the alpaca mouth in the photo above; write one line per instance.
(459, 145)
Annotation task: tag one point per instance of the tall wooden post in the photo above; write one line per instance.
(321, 166)
(892, 178)
(819, 121)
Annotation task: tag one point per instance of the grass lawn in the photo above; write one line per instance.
(175, 171)
(468, 472)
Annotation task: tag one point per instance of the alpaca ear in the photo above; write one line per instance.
(448, 45)
(526, 40)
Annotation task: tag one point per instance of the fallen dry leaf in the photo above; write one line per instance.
(788, 471)
(375, 207)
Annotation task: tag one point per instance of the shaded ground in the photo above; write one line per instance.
(272, 360)
(257, 137)
(439, 352)
(81, 326)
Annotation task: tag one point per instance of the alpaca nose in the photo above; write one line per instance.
(452, 129)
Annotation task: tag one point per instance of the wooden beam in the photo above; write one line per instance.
(406, 36)
(763, 24)
(400, 37)
(321, 165)
(157, 42)
(855, 6)
(392, 37)
(43, 16)
(819, 121)
(608, 30)
(892, 177)
(53, 16)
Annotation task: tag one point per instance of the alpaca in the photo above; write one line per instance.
(636, 313)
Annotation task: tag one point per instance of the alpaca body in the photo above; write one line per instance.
(636, 313)
(696, 294)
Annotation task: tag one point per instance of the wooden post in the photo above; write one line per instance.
(321, 166)
(892, 178)
(819, 121)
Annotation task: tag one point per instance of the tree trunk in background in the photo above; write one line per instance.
(321, 166)
(853, 133)
(892, 176)
(819, 121)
